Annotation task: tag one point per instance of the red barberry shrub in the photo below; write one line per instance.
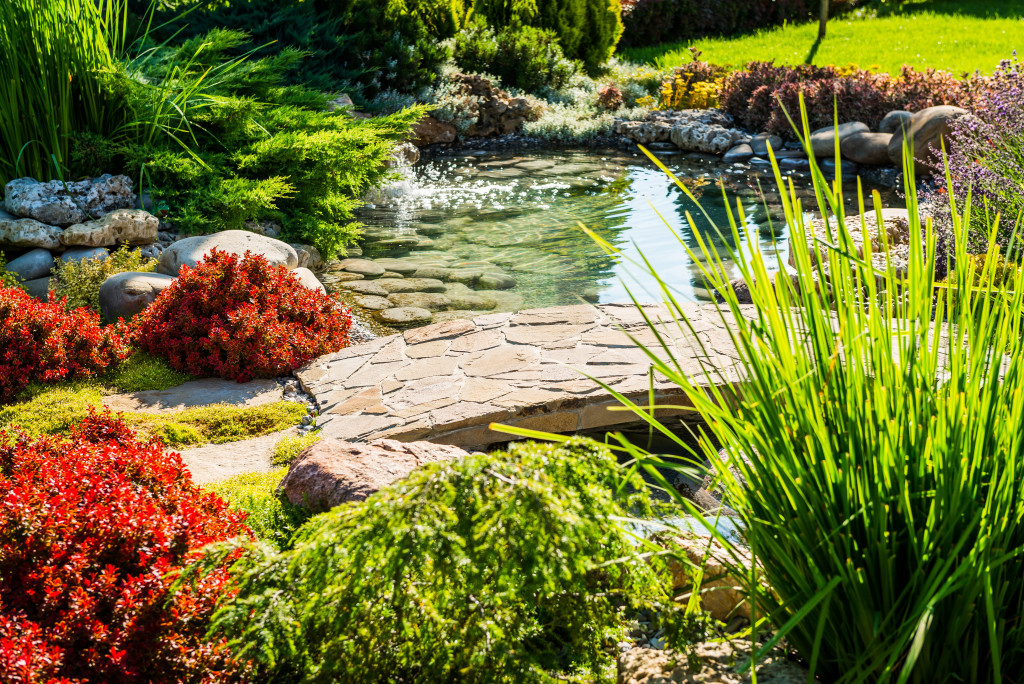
(609, 97)
(760, 96)
(93, 528)
(43, 341)
(241, 318)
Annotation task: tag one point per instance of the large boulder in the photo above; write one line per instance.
(126, 294)
(927, 129)
(309, 279)
(867, 148)
(894, 121)
(28, 233)
(430, 131)
(38, 288)
(823, 140)
(191, 251)
(63, 204)
(332, 471)
(31, 265)
(121, 226)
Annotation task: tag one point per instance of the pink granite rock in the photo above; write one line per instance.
(333, 472)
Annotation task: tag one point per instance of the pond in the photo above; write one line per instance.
(522, 215)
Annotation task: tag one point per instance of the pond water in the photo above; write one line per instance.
(521, 214)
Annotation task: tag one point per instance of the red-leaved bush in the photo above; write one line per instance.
(241, 318)
(92, 529)
(43, 341)
(760, 96)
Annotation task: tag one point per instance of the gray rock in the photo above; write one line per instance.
(823, 140)
(191, 251)
(759, 144)
(82, 253)
(364, 267)
(927, 129)
(867, 148)
(31, 265)
(395, 285)
(38, 288)
(794, 164)
(126, 294)
(405, 316)
(472, 302)
(309, 256)
(895, 121)
(152, 251)
(495, 281)
(739, 153)
(62, 204)
(431, 301)
(366, 287)
(404, 154)
(332, 472)
(309, 279)
(372, 302)
(120, 226)
(400, 266)
(434, 272)
(700, 137)
(28, 233)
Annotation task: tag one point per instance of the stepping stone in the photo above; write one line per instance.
(395, 285)
(495, 281)
(363, 267)
(366, 287)
(431, 301)
(205, 392)
(402, 266)
(372, 302)
(405, 316)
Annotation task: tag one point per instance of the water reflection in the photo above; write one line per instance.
(522, 214)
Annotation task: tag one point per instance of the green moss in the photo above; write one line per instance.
(55, 409)
(270, 516)
(143, 372)
(290, 446)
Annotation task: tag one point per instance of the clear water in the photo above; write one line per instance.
(522, 214)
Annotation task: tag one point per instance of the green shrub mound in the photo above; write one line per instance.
(588, 30)
(79, 281)
(489, 569)
(521, 57)
(397, 44)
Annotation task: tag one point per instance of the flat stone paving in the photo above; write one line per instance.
(447, 382)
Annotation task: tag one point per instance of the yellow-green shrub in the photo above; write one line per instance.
(80, 280)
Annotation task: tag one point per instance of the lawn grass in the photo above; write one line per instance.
(957, 37)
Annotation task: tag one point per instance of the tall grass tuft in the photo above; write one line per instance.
(54, 55)
(875, 444)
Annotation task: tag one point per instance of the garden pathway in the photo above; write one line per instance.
(447, 382)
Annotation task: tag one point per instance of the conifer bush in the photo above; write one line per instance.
(240, 318)
(486, 569)
(93, 528)
(588, 30)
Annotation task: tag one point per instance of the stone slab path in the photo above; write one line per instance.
(447, 382)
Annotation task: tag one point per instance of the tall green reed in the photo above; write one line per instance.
(874, 444)
(54, 56)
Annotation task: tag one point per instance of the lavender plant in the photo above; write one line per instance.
(986, 156)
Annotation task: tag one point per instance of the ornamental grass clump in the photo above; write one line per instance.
(240, 318)
(93, 528)
(874, 447)
(504, 568)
